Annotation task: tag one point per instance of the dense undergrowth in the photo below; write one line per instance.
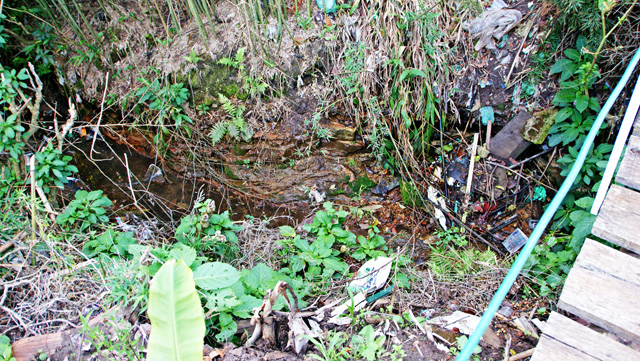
(401, 101)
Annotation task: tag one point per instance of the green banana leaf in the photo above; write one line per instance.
(177, 322)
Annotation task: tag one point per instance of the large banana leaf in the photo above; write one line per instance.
(177, 322)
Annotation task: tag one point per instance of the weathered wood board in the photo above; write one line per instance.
(619, 218)
(603, 288)
(629, 172)
(636, 125)
(567, 340)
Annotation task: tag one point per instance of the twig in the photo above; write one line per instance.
(522, 355)
(472, 163)
(507, 348)
(531, 158)
(524, 40)
(32, 171)
(47, 205)
(133, 195)
(97, 128)
(5, 246)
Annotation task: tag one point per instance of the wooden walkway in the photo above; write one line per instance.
(603, 287)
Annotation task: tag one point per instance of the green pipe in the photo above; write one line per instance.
(504, 288)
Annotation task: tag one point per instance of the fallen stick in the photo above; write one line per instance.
(472, 164)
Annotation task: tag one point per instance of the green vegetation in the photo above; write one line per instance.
(86, 210)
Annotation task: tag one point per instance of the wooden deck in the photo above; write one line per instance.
(603, 287)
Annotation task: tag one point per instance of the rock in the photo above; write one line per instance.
(538, 126)
(384, 186)
(509, 143)
(341, 131)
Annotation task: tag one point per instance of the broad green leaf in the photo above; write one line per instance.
(260, 275)
(215, 275)
(183, 252)
(287, 231)
(245, 308)
(582, 102)
(177, 322)
(572, 54)
(564, 96)
(411, 73)
(563, 114)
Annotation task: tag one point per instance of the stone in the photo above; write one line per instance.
(509, 143)
(537, 128)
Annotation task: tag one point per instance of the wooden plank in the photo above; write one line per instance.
(629, 171)
(564, 339)
(603, 288)
(636, 125)
(619, 218)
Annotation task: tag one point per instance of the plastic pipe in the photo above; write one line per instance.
(508, 281)
(616, 152)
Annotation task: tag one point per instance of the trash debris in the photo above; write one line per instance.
(494, 22)
(328, 6)
(431, 195)
(316, 196)
(154, 174)
(515, 241)
(486, 115)
(466, 324)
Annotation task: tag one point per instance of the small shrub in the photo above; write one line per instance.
(86, 210)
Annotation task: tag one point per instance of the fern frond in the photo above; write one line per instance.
(217, 132)
(233, 130)
(240, 55)
(238, 121)
(229, 107)
(247, 135)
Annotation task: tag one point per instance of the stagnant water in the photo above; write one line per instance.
(122, 174)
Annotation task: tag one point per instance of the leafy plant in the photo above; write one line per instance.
(86, 210)
(460, 342)
(453, 235)
(166, 102)
(5, 349)
(177, 322)
(550, 263)
(333, 350)
(577, 112)
(327, 225)
(110, 243)
(236, 127)
(209, 232)
(252, 86)
(317, 259)
(593, 167)
(53, 168)
(370, 247)
(367, 345)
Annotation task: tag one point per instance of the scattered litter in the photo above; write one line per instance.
(505, 310)
(486, 114)
(515, 241)
(525, 326)
(427, 313)
(464, 322)
(372, 275)
(494, 22)
(431, 195)
(485, 83)
(316, 196)
(154, 174)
